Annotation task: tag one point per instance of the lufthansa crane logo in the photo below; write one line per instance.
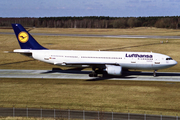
(23, 37)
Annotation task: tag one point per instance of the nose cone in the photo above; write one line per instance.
(173, 62)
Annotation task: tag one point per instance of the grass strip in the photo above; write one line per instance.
(118, 96)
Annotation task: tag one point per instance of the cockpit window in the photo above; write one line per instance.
(169, 59)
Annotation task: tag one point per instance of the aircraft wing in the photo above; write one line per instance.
(85, 63)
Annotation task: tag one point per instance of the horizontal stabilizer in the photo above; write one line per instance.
(22, 51)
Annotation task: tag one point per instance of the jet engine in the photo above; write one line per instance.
(114, 70)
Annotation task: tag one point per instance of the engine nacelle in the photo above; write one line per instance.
(113, 70)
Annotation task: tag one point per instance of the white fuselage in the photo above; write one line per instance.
(127, 60)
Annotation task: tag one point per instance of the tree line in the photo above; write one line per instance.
(171, 22)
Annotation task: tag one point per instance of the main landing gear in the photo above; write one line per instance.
(95, 72)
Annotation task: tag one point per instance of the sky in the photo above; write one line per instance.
(112, 8)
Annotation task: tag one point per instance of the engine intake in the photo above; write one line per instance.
(114, 70)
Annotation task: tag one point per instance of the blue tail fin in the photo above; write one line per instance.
(26, 41)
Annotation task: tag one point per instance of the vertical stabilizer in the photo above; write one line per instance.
(26, 41)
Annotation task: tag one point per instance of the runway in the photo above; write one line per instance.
(105, 36)
(77, 74)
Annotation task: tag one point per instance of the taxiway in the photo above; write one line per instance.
(105, 36)
(77, 74)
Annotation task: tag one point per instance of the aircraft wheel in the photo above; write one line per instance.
(93, 74)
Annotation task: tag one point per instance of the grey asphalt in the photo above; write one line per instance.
(77, 74)
(110, 36)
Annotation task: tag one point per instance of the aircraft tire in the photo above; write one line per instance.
(93, 74)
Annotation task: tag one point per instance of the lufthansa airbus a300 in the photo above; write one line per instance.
(106, 62)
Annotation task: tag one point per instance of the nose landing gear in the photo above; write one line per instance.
(154, 74)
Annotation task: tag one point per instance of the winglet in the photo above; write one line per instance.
(26, 41)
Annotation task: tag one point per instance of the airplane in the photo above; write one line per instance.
(101, 62)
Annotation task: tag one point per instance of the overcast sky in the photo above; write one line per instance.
(112, 8)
